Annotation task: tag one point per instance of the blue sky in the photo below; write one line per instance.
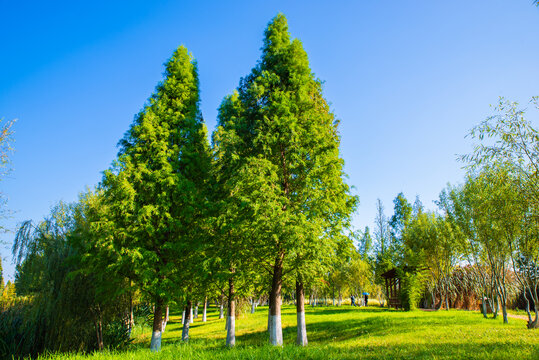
(408, 79)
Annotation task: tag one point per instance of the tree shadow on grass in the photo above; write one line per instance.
(324, 332)
(342, 310)
(334, 339)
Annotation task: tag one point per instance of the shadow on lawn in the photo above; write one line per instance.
(332, 310)
(374, 322)
(328, 339)
(324, 332)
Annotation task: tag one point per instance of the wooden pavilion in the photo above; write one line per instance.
(393, 288)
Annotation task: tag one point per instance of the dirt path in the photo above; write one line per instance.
(513, 316)
(522, 317)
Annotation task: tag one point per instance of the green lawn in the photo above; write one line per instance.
(345, 333)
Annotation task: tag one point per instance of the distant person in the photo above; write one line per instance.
(353, 300)
(366, 299)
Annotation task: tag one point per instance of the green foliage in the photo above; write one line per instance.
(365, 244)
(116, 334)
(155, 195)
(400, 218)
(284, 202)
(397, 224)
(61, 309)
(412, 286)
(508, 138)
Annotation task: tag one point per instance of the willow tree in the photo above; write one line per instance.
(509, 138)
(284, 139)
(155, 191)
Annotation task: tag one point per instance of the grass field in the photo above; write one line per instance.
(343, 333)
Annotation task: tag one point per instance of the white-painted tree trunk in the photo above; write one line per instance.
(187, 322)
(275, 327)
(230, 331)
(185, 332)
(196, 312)
(302, 329)
(183, 317)
(204, 311)
(131, 314)
(231, 318)
(165, 319)
(276, 330)
(155, 344)
(221, 314)
(253, 307)
(301, 339)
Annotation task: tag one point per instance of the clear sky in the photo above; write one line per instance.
(408, 79)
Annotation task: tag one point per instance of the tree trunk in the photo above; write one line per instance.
(221, 301)
(183, 317)
(98, 323)
(253, 306)
(101, 346)
(155, 344)
(187, 322)
(504, 313)
(269, 312)
(231, 318)
(131, 315)
(204, 311)
(275, 329)
(503, 303)
(535, 323)
(484, 307)
(300, 312)
(196, 310)
(165, 319)
(340, 297)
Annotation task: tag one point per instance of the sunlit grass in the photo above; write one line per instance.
(345, 333)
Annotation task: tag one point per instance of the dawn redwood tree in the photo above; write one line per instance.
(284, 139)
(156, 189)
(244, 200)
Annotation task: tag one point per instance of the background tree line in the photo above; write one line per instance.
(482, 244)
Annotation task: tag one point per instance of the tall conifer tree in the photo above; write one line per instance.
(156, 190)
(282, 139)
